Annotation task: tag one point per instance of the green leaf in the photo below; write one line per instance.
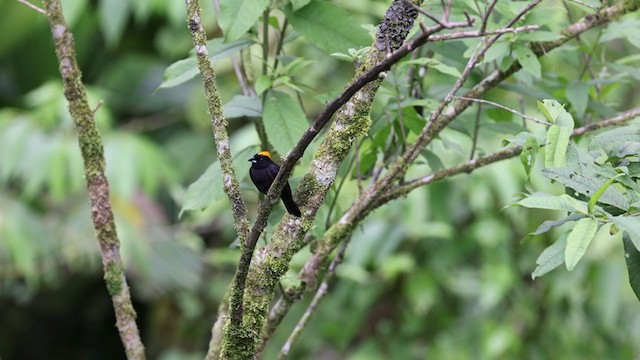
(263, 84)
(436, 65)
(578, 240)
(179, 72)
(550, 258)
(498, 50)
(184, 70)
(578, 96)
(299, 4)
(207, 189)
(529, 154)
(619, 142)
(587, 185)
(528, 60)
(327, 26)
(631, 227)
(596, 196)
(556, 146)
(113, 19)
(241, 105)
(553, 202)
(284, 121)
(550, 109)
(550, 224)
(238, 16)
(632, 259)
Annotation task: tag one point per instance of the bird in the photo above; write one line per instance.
(263, 171)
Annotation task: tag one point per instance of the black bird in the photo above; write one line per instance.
(263, 171)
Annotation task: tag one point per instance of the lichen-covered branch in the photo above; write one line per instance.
(92, 152)
(344, 227)
(218, 122)
(223, 148)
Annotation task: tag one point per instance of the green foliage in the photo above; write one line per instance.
(237, 17)
(612, 192)
(327, 26)
(284, 121)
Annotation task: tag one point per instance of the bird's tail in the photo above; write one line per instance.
(287, 199)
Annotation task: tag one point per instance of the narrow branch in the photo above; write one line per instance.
(34, 7)
(92, 152)
(320, 293)
(497, 156)
(524, 116)
(485, 17)
(223, 148)
(477, 33)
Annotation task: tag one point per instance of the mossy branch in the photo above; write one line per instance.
(218, 122)
(92, 152)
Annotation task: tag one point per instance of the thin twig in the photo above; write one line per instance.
(425, 13)
(524, 116)
(485, 17)
(584, 4)
(474, 164)
(34, 7)
(476, 132)
(320, 293)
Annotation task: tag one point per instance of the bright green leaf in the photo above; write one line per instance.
(596, 196)
(556, 146)
(553, 202)
(550, 109)
(263, 83)
(578, 240)
(283, 120)
(238, 16)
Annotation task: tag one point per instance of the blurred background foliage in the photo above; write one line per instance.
(442, 273)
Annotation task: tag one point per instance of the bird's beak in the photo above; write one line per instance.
(253, 160)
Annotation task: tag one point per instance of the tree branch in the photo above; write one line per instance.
(92, 152)
(230, 181)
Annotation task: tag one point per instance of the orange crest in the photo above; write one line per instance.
(265, 153)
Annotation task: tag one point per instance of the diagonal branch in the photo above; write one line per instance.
(92, 152)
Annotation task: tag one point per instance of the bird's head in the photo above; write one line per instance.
(262, 158)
